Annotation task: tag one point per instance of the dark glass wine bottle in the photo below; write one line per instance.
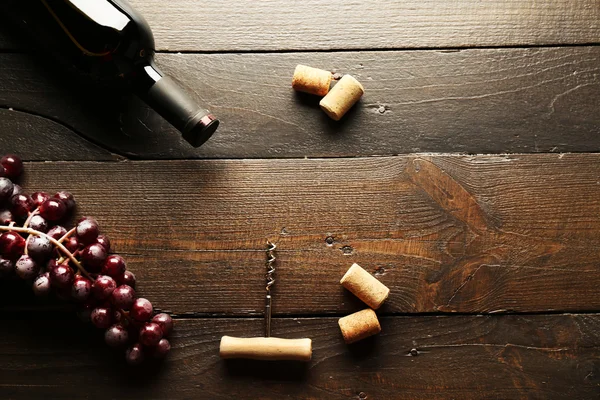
(108, 39)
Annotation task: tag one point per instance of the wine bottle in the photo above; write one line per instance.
(109, 40)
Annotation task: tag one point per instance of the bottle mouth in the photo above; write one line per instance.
(202, 130)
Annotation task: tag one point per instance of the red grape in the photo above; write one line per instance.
(114, 266)
(6, 189)
(38, 223)
(93, 257)
(71, 244)
(26, 267)
(39, 248)
(12, 245)
(116, 336)
(128, 278)
(62, 276)
(87, 230)
(103, 240)
(134, 355)
(39, 198)
(6, 217)
(57, 232)
(103, 287)
(141, 310)
(17, 189)
(161, 349)
(41, 285)
(150, 334)
(81, 289)
(53, 209)
(13, 166)
(21, 205)
(118, 316)
(7, 267)
(51, 264)
(123, 297)
(101, 317)
(165, 322)
(67, 199)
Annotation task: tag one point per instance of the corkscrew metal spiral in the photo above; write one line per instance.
(270, 264)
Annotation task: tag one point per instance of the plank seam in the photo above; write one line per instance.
(382, 314)
(132, 158)
(15, 50)
(383, 50)
(34, 313)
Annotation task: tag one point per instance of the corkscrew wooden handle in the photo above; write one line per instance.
(266, 348)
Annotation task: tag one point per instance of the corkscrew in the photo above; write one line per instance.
(270, 282)
(267, 348)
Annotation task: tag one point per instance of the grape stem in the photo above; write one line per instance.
(62, 239)
(26, 224)
(66, 235)
(55, 242)
(31, 214)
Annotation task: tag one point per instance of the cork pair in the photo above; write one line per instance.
(337, 101)
(366, 287)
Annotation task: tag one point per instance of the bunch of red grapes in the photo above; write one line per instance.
(76, 265)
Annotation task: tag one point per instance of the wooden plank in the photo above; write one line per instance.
(42, 139)
(313, 24)
(474, 101)
(445, 233)
(501, 357)
(193, 25)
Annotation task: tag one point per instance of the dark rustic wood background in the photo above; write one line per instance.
(467, 180)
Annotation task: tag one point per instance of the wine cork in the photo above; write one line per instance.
(311, 80)
(266, 348)
(359, 325)
(365, 286)
(342, 97)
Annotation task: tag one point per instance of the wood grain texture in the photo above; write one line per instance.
(193, 25)
(275, 25)
(494, 236)
(499, 357)
(43, 139)
(474, 101)
(445, 233)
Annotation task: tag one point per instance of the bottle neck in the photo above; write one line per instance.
(168, 99)
(144, 76)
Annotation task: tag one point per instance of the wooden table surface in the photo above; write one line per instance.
(467, 180)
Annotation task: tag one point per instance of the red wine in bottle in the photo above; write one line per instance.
(109, 40)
